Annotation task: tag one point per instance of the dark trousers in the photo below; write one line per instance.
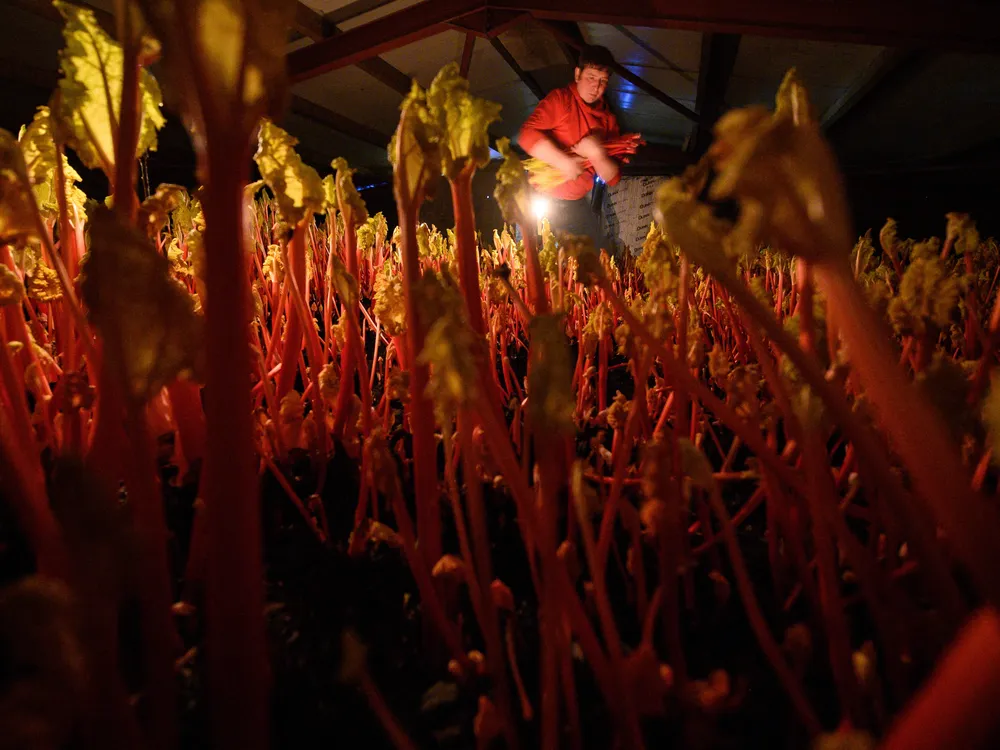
(578, 217)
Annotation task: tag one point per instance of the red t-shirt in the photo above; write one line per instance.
(565, 118)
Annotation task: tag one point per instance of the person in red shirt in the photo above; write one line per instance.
(567, 127)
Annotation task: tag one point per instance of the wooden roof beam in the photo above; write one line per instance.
(488, 23)
(718, 58)
(647, 47)
(311, 24)
(888, 61)
(525, 77)
(369, 40)
(353, 10)
(571, 29)
(467, 48)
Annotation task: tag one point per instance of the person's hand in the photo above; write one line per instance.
(589, 148)
(572, 168)
(606, 167)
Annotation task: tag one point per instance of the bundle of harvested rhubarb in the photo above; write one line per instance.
(544, 176)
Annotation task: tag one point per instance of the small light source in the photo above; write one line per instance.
(540, 206)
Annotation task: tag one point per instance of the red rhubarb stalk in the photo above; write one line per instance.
(237, 662)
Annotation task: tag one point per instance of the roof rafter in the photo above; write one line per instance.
(311, 24)
(411, 24)
(526, 78)
(885, 63)
(467, 48)
(488, 23)
(644, 45)
(571, 29)
(718, 58)
(353, 10)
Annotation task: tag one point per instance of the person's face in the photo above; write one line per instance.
(591, 83)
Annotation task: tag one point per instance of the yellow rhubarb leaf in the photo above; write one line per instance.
(18, 218)
(39, 148)
(91, 92)
(349, 202)
(147, 320)
(297, 187)
(463, 121)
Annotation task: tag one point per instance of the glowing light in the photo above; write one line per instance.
(540, 206)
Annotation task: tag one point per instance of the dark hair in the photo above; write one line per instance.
(595, 56)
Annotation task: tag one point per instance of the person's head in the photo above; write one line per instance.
(593, 70)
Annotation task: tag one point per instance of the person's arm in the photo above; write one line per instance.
(533, 136)
(592, 148)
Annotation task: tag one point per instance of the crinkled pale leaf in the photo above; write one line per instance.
(390, 305)
(691, 225)
(329, 184)
(91, 91)
(329, 383)
(696, 466)
(601, 321)
(18, 220)
(863, 253)
(344, 283)
(11, 288)
(39, 149)
(962, 231)
(512, 191)
(658, 261)
(415, 151)
(157, 208)
(580, 249)
(297, 187)
(380, 227)
(617, 411)
(188, 216)
(43, 284)
(365, 237)
(274, 264)
(450, 344)
(146, 318)
(785, 177)
(928, 296)
(348, 200)
(26, 256)
(373, 232)
(718, 362)
(196, 255)
(464, 121)
(551, 404)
